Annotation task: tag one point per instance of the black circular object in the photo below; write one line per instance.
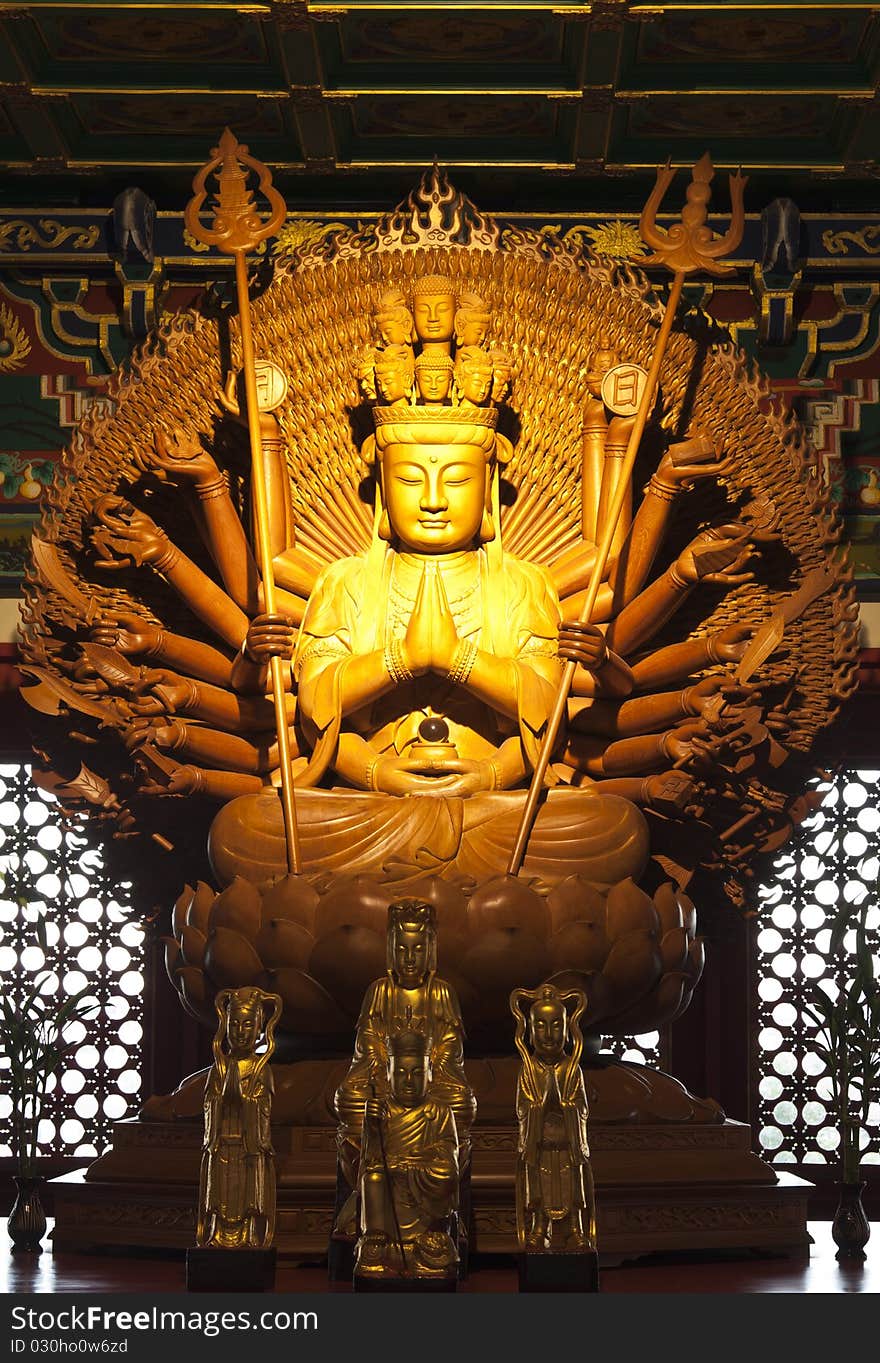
(433, 729)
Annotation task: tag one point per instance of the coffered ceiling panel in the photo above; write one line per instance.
(541, 95)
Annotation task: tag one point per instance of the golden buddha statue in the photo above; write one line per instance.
(408, 1176)
(556, 1209)
(410, 996)
(237, 1180)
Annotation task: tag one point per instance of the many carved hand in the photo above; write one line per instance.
(178, 459)
(583, 644)
(269, 636)
(127, 536)
(127, 633)
(717, 556)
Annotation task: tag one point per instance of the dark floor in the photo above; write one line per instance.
(680, 1273)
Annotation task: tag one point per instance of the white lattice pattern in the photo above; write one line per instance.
(48, 869)
(834, 859)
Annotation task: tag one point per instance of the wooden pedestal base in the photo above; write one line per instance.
(230, 1270)
(659, 1187)
(364, 1283)
(559, 1272)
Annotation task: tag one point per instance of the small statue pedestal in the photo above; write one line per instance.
(230, 1270)
(387, 1283)
(559, 1272)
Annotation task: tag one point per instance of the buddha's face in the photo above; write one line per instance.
(471, 328)
(434, 495)
(409, 1076)
(500, 381)
(433, 384)
(395, 326)
(475, 383)
(547, 1028)
(410, 957)
(243, 1032)
(434, 316)
(393, 381)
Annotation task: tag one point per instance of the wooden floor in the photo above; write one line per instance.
(680, 1273)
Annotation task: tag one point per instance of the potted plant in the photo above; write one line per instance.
(848, 1041)
(33, 1044)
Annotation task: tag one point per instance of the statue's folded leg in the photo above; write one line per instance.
(400, 841)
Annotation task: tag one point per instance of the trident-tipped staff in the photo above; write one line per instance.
(237, 229)
(689, 245)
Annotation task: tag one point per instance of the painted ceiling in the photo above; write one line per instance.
(351, 98)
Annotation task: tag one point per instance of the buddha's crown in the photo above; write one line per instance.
(434, 380)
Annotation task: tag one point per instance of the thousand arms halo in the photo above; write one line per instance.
(443, 431)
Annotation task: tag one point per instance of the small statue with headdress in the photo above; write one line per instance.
(556, 1212)
(410, 996)
(408, 1175)
(237, 1181)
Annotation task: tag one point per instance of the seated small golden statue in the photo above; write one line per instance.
(556, 1212)
(412, 997)
(408, 1173)
(237, 1181)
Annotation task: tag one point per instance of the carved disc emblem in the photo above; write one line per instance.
(622, 388)
(271, 385)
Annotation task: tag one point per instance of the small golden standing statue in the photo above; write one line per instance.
(410, 996)
(237, 1182)
(556, 1209)
(408, 1174)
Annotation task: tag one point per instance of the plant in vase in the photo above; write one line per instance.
(33, 1047)
(848, 1041)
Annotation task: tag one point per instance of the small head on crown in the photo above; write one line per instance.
(471, 320)
(411, 951)
(433, 378)
(394, 319)
(394, 373)
(434, 299)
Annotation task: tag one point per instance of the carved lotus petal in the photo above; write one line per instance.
(195, 993)
(505, 902)
(696, 959)
(674, 948)
(656, 1008)
(239, 907)
(689, 910)
(633, 966)
(181, 909)
(578, 946)
(600, 995)
(172, 957)
(292, 898)
(669, 907)
(346, 961)
(230, 960)
(627, 909)
(307, 1005)
(202, 902)
(502, 955)
(192, 947)
(359, 902)
(281, 943)
(452, 913)
(576, 900)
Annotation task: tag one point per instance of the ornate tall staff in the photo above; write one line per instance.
(689, 245)
(238, 229)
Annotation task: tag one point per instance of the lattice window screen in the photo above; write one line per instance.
(48, 868)
(834, 855)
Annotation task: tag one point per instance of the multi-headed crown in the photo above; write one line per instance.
(434, 381)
